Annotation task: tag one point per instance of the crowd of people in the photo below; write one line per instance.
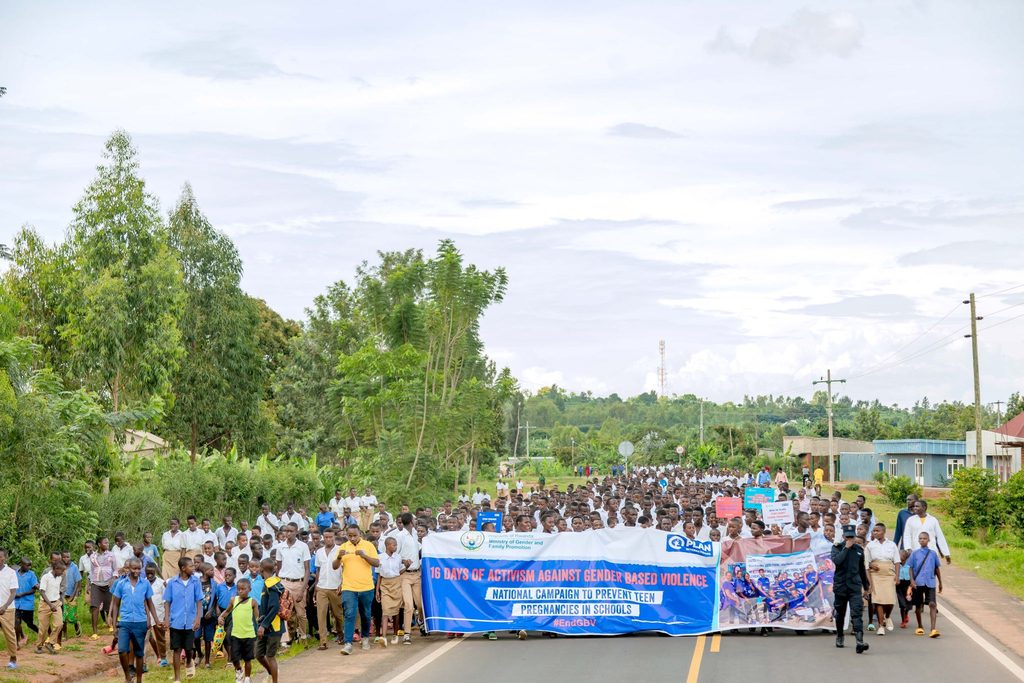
(242, 593)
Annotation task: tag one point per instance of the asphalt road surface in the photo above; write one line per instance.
(732, 658)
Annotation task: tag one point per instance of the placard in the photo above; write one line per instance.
(489, 516)
(727, 508)
(753, 497)
(777, 513)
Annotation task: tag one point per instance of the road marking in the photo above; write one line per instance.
(1017, 671)
(698, 654)
(716, 642)
(439, 652)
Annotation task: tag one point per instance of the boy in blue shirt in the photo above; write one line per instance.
(924, 575)
(183, 607)
(25, 600)
(133, 605)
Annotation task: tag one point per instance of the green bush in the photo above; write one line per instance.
(896, 489)
(133, 510)
(880, 476)
(972, 499)
(852, 487)
(1011, 504)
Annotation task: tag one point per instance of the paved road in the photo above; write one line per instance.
(729, 658)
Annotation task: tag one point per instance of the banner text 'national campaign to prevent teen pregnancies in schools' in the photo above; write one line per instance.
(603, 582)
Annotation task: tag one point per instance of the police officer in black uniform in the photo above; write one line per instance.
(850, 579)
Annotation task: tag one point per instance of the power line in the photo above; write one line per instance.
(1001, 291)
(915, 339)
(934, 346)
(1002, 322)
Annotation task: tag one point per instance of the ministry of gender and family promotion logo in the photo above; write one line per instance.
(473, 540)
(677, 543)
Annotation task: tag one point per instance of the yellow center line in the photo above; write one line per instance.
(716, 642)
(698, 654)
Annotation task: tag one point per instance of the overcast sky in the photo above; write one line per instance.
(772, 188)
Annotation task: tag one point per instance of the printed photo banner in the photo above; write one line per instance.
(776, 582)
(603, 582)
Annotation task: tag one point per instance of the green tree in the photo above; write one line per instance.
(122, 320)
(219, 384)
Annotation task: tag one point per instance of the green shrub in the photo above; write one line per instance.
(133, 510)
(852, 487)
(972, 499)
(1011, 504)
(880, 476)
(896, 489)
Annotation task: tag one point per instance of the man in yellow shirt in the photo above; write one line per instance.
(358, 557)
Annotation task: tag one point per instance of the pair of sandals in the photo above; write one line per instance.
(934, 634)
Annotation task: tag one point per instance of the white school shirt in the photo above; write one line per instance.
(337, 506)
(122, 554)
(390, 565)
(224, 536)
(173, 542)
(913, 528)
(158, 585)
(353, 504)
(291, 559)
(268, 523)
(369, 501)
(884, 551)
(8, 584)
(49, 587)
(296, 519)
(330, 578)
(193, 540)
(84, 566)
(409, 548)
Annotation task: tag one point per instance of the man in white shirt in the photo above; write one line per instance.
(293, 568)
(328, 588)
(8, 589)
(922, 521)
(290, 516)
(226, 533)
(267, 521)
(409, 548)
(368, 503)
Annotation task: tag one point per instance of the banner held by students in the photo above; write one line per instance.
(607, 582)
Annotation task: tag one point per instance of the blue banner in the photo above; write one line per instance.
(603, 582)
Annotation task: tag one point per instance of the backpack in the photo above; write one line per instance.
(286, 606)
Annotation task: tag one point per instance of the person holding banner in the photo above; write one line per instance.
(850, 579)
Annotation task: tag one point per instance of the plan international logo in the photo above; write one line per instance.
(676, 543)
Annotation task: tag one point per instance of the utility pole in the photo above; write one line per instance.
(999, 411)
(702, 422)
(978, 455)
(572, 451)
(661, 370)
(527, 428)
(827, 380)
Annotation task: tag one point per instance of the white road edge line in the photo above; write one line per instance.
(988, 647)
(439, 652)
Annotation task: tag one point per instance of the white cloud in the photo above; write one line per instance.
(768, 223)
